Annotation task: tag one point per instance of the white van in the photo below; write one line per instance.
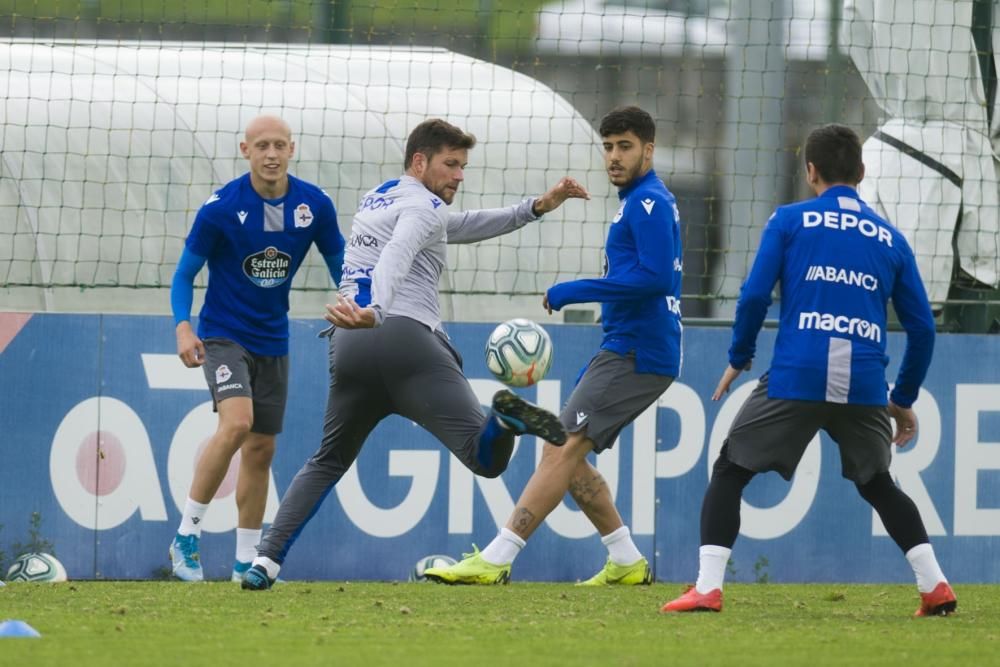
(668, 28)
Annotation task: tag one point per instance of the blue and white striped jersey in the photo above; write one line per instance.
(838, 263)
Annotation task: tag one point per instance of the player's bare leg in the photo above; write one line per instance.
(251, 487)
(235, 419)
(251, 498)
(545, 489)
(625, 564)
(548, 484)
(591, 493)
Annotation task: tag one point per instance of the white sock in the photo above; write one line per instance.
(712, 561)
(194, 512)
(272, 568)
(621, 548)
(925, 567)
(504, 548)
(247, 540)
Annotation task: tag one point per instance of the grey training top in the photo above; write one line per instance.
(398, 247)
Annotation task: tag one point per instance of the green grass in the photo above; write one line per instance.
(331, 623)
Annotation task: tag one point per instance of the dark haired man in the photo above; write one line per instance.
(389, 353)
(838, 264)
(639, 358)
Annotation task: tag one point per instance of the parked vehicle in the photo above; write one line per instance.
(667, 28)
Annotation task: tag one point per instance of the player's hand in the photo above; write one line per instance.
(727, 378)
(566, 188)
(545, 303)
(347, 314)
(189, 347)
(906, 424)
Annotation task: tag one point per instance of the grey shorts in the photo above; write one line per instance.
(231, 370)
(609, 397)
(772, 434)
(403, 368)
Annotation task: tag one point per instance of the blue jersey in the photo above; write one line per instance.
(640, 293)
(839, 263)
(254, 247)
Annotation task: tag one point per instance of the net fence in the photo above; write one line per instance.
(120, 118)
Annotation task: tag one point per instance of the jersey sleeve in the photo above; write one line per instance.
(909, 299)
(329, 241)
(651, 275)
(335, 265)
(182, 285)
(755, 294)
(478, 225)
(205, 233)
(415, 229)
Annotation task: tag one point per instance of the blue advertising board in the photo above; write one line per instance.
(102, 425)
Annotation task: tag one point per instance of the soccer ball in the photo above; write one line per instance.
(427, 562)
(519, 352)
(36, 567)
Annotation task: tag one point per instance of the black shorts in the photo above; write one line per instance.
(609, 397)
(772, 434)
(231, 370)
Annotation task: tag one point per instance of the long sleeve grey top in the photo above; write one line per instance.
(398, 247)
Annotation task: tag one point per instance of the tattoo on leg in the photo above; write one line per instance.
(584, 491)
(523, 519)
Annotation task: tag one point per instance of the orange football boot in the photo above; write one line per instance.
(939, 602)
(692, 600)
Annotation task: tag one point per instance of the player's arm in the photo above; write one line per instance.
(335, 265)
(472, 226)
(751, 308)
(330, 241)
(203, 240)
(415, 229)
(914, 311)
(189, 347)
(486, 223)
(755, 295)
(651, 275)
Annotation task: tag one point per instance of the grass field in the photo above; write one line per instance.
(399, 624)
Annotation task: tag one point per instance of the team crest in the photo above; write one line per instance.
(222, 373)
(618, 215)
(303, 215)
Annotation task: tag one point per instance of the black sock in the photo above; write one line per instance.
(720, 511)
(898, 512)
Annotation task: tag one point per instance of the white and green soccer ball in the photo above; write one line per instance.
(426, 563)
(36, 567)
(519, 352)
